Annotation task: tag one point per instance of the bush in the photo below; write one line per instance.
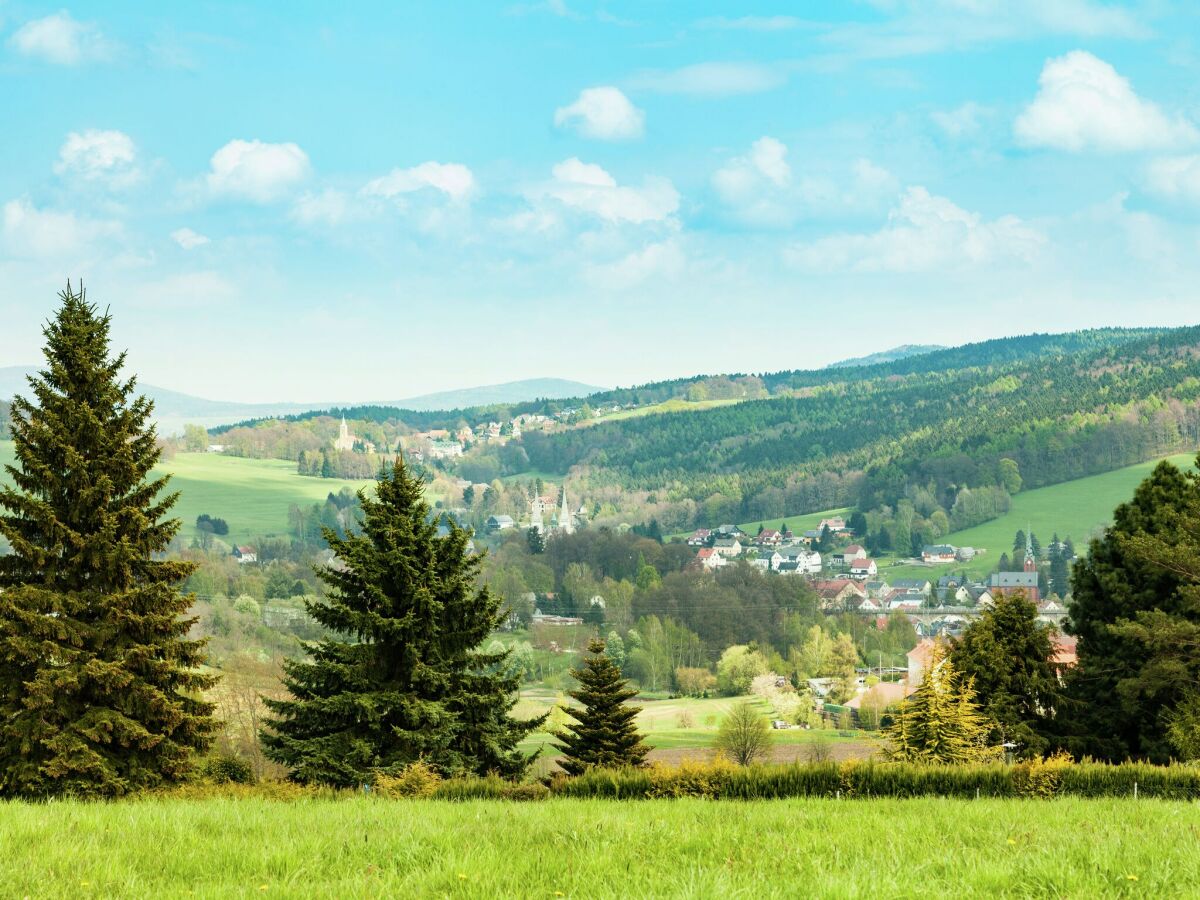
(225, 768)
(416, 779)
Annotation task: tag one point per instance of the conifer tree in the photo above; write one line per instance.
(604, 734)
(99, 686)
(403, 679)
(941, 722)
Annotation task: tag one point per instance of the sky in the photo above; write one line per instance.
(366, 201)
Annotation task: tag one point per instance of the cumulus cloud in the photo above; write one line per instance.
(257, 171)
(327, 207)
(604, 113)
(43, 233)
(961, 122)
(924, 233)
(188, 239)
(663, 259)
(1084, 103)
(453, 179)
(1175, 177)
(713, 79)
(760, 189)
(108, 157)
(590, 189)
(62, 40)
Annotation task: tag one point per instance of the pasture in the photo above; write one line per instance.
(361, 846)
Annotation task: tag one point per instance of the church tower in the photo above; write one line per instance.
(565, 520)
(1030, 559)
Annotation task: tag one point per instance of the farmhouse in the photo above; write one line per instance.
(699, 538)
(862, 569)
(769, 537)
(849, 554)
(839, 592)
(729, 547)
(245, 554)
(709, 558)
(500, 523)
(939, 553)
(808, 562)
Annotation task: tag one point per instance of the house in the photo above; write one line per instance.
(807, 561)
(1003, 584)
(769, 537)
(729, 547)
(445, 449)
(912, 585)
(965, 554)
(500, 523)
(838, 592)
(699, 538)
(837, 525)
(877, 588)
(918, 661)
(709, 558)
(847, 555)
(730, 531)
(869, 604)
(541, 618)
(1065, 656)
(769, 559)
(882, 695)
(939, 553)
(862, 569)
(904, 603)
(245, 554)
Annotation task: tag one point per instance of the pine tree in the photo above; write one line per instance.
(403, 678)
(941, 722)
(100, 692)
(604, 734)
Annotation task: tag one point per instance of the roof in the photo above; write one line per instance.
(886, 693)
(1014, 580)
(861, 564)
(1065, 650)
(921, 653)
(706, 553)
(910, 583)
(853, 548)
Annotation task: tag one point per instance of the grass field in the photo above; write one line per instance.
(363, 847)
(676, 404)
(798, 524)
(1074, 508)
(252, 495)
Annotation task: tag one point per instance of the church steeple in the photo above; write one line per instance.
(1030, 559)
(565, 520)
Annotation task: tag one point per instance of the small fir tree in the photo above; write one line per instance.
(941, 722)
(403, 679)
(100, 692)
(603, 734)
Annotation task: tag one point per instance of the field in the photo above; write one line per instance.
(252, 495)
(798, 524)
(364, 847)
(1073, 509)
(675, 404)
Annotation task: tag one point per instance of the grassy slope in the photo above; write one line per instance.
(1074, 509)
(675, 404)
(362, 847)
(253, 495)
(798, 524)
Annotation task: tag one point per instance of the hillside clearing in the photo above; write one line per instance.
(363, 847)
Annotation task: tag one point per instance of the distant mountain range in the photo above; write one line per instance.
(172, 409)
(886, 356)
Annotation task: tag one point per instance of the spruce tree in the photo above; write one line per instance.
(99, 685)
(604, 734)
(403, 678)
(941, 722)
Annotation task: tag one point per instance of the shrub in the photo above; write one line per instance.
(691, 779)
(225, 768)
(1040, 777)
(416, 779)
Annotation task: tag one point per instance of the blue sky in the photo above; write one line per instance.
(298, 202)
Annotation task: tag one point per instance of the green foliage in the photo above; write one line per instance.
(99, 685)
(744, 735)
(417, 779)
(225, 768)
(738, 666)
(1136, 612)
(941, 722)
(603, 734)
(404, 680)
(1008, 656)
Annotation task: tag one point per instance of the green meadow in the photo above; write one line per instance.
(252, 495)
(1075, 509)
(359, 846)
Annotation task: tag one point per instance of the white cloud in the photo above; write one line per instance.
(664, 259)
(1175, 177)
(590, 189)
(62, 40)
(329, 207)
(109, 157)
(751, 23)
(961, 122)
(257, 171)
(1083, 103)
(713, 79)
(760, 188)
(188, 239)
(42, 233)
(924, 233)
(602, 112)
(453, 179)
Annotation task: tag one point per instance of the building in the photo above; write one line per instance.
(445, 449)
(345, 440)
(808, 562)
(862, 569)
(840, 593)
(709, 558)
(769, 537)
(912, 586)
(847, 555)
(729, 547)
(1005, 584)
(500, 523)
(245, 554)
(699, 538)
(566, 521)
(939, 553)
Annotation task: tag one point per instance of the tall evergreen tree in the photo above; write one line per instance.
(941, 722)
(1138, 626)
(403, 679)
(100, 692)
(604, 734)
(1009, 656)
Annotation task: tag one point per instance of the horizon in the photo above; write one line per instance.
(378, 196)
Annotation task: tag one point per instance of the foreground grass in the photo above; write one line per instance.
(361, 847)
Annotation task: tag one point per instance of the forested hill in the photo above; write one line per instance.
(742, 386)
(1059, 407)
(4, 423)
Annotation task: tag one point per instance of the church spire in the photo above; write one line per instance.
(1030, 559)
(565, 520)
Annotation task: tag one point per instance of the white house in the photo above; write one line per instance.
(862, 569)
(729, 547)
(710, 558)
(245, 554)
